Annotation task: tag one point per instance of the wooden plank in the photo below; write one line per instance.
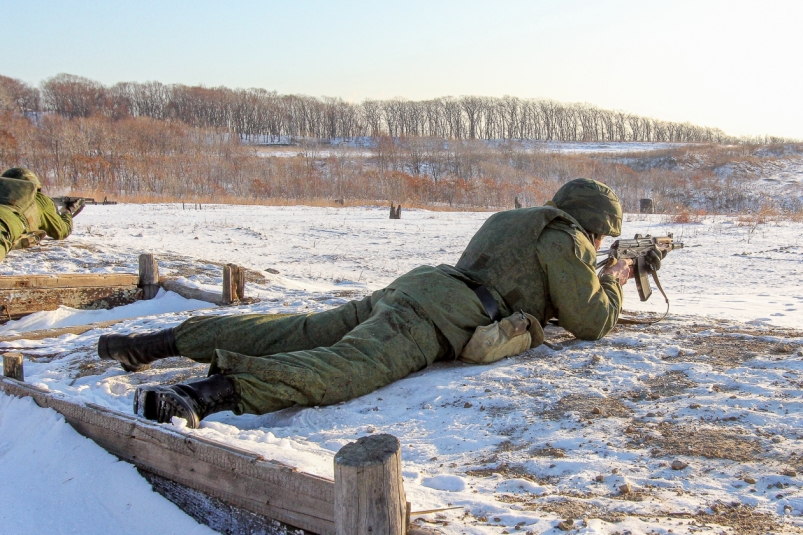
(67, 280)
(172, 284)
(42, 334)
(238, 477)
(19, 302)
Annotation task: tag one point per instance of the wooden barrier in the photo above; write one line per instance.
(21, 295)
(366, 498)
(241, 478)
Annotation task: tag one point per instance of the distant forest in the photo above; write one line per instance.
(257, 113)
(151, 141)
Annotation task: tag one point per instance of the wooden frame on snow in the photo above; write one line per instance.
(21, 295)
(366, 498)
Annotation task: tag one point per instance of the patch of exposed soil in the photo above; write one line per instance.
(565, 508)
(548, 451)
(672, 383)
(587, 407)
(726, 351)
(667, 439)
(508, 446)
(744, 519)
(509, 471)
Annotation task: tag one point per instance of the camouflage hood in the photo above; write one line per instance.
(22, 173)
(593, 204)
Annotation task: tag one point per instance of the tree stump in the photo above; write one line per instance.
(516, 203)
(148, 276)
(395, 211)
(369, 493)
(12, 366)
(646, 206)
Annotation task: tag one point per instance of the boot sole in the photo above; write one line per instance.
(161, 403)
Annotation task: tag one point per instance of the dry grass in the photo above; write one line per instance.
(587, 408)
(711, 442)
(725, 352)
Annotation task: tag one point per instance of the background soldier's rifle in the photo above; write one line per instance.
(646, 252)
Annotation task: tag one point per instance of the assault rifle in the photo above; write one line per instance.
(69, 201)
(646, 252)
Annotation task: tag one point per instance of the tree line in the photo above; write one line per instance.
(95, 147)
(261, 115)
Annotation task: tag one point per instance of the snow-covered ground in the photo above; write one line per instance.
(692, 425)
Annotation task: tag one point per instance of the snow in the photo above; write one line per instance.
(511, 443)
(56, 481)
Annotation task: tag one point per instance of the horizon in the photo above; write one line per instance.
(715, 64)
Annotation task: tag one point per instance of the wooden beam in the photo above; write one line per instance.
(21, 295)
(70, 280)
(238, 477)
(172, 284)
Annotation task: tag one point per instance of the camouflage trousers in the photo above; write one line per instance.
(318, 359)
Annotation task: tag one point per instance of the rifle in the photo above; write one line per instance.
(67, 201)
(646, 252)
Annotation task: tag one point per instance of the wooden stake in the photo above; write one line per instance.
(148, 276)
(233, 283)
(12, 366)
(369, 493)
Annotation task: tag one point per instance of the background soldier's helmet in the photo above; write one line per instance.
(593, 204)
(22, 173)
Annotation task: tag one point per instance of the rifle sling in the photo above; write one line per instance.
(624, 320)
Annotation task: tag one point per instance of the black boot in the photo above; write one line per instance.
(191, 401)
(135, 352)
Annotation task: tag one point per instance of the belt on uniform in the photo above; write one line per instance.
(488, 302)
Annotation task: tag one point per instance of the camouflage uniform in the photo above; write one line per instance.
(539, 260)
(28, 212)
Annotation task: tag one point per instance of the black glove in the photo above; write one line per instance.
(74, 207)
(653, 259)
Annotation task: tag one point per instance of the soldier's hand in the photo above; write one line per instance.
(74, 207)
(621, 269)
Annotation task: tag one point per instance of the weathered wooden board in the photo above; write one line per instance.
(71, 280)
(172, 284)
(23, 295)
(238, 477)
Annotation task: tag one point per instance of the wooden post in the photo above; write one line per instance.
(12, 366)
(369, 493)
(233, 283)
(148, 276)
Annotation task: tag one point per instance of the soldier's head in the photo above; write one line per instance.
(593, 204)
(22, 173)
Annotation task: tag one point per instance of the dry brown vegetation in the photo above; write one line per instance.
(150, 143)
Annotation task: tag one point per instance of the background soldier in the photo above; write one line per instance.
(26, 215)
(526, 265)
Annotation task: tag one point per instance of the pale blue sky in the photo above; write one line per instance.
(731, 64)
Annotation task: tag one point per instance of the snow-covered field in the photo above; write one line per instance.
(692, 425)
